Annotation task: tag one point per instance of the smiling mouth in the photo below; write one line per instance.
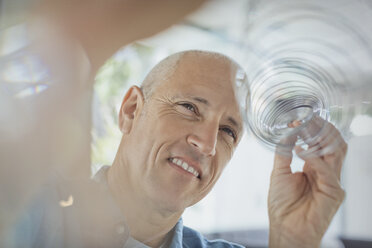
(185, 166)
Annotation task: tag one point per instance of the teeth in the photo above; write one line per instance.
(185, 166)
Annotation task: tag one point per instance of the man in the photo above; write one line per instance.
(179, 132)
(185, 116)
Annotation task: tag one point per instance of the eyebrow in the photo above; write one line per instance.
(202, 100)
(234, 122)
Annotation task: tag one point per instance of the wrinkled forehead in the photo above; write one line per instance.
(218, 71)
(208, 78)
(214, 74)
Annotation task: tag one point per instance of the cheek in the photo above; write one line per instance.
(225, 151)
(171, 125)
(208, 184)
(217, 166)
(218, 169)
(141, 139)
(152, 133)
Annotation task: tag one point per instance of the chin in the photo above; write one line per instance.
(171, 201)
(172, 193)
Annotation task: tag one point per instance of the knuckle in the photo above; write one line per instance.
(341, 195)
(345, 147)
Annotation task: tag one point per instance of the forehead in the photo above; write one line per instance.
(207, 78)
(203, 72)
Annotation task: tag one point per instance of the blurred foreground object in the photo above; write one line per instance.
(49, 54)
(44, 112)
(306, 59)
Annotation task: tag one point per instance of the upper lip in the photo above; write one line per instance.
(191, 163)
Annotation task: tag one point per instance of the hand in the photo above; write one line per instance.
(301, 205)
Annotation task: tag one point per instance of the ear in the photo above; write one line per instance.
(130, 108)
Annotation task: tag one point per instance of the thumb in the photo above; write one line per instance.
(282, 162)
(283, 154)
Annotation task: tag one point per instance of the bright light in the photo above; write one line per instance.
(361, 125)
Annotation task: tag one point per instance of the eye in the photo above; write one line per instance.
(229, 132)
(189, 106)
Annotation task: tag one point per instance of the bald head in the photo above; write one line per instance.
(165, 69)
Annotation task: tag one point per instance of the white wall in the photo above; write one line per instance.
(357, 177)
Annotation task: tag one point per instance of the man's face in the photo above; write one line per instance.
(185, 134)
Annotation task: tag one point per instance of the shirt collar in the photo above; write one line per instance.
(177, 235)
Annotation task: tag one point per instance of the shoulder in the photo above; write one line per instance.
(192, 238)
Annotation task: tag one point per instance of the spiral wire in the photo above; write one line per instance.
(305, 60)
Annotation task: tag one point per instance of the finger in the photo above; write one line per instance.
(308, 170)
(309, 133)
(283, 154)
(324, 173)
(332, 147)
(286, 144)
(321, 137)
(311, 129)
(282, 163)
(329, 139)
(311, 175)
(294, 124)
(336, 159)
(332, 160)
(316, 162)
(323, 179)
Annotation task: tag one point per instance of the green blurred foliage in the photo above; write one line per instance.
(111, 84)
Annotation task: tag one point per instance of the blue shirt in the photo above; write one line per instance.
(187, 237)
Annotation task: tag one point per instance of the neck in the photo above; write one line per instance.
(147, 222)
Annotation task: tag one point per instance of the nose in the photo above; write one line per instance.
(204, 138)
